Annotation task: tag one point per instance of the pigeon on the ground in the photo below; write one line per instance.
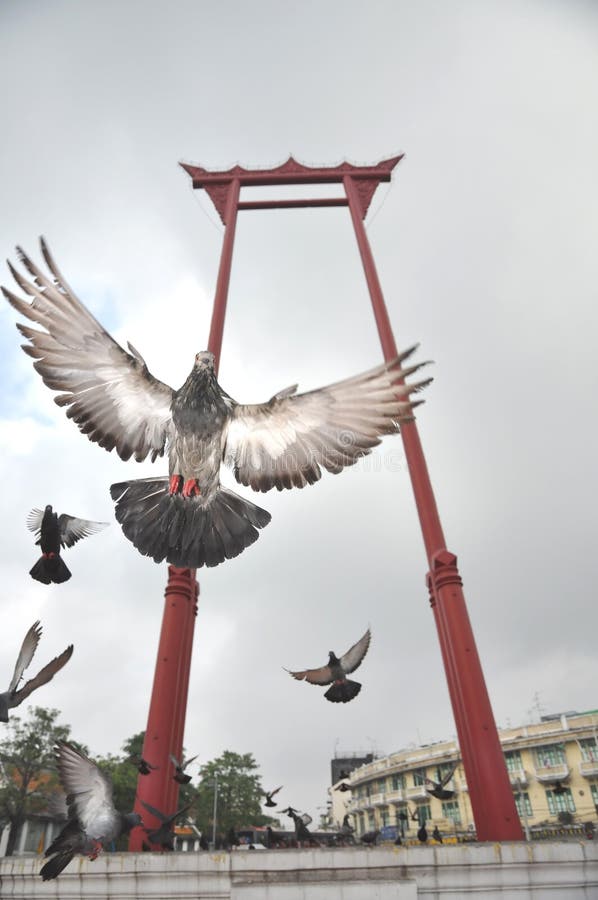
(93, 819)
(180, 767)
(436, 835)
(422, 834)
(15, 694)
(141, 764)
(163, 835)
(53, 532)
(188, 518)
(269, 794)
(438, 790)
(336, 670)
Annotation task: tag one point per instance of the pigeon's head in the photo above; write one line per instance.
(332, 658)
(131, 820)
(48, 508)
(204, 360)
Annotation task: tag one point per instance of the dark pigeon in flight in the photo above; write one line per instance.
(52, 533)
(370, 837)
(269, 794)
(336, 670)
(343, 787)
(180, 774)
(141, 764)
(438, 790)
(93, 819)
(15, 694)
(163, 835)
(188, 518)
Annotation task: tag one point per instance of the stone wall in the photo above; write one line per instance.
(519, 871)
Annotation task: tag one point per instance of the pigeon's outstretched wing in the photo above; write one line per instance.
(285, 442)
(322, 675)
(26, 654)
(448, 775)
(156, 812)
(110, 393)
(43, 676)
(351, 660)
(73, 529)
(89, 792)
(34, 521)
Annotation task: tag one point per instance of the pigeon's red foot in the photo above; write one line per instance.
(191, 488)
(96, 850)
(49, 555)
(175, 483)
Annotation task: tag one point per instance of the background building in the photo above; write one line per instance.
(553, 768)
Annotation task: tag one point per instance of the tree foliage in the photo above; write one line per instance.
(239, 794)
(27, 767)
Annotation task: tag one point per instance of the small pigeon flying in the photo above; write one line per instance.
(180, 767)
(52, 533)
(343, 787)
(336, 670)
(141, 764)
(93, 819)
(438, 790)
(15, 695)
(268, 795)
(163, 835)
(188, 518)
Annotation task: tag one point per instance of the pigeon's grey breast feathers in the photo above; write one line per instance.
(110, 393)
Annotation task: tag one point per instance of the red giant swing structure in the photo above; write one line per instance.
(490, 791)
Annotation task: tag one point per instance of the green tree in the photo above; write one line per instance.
(27, 767)
(239, 794)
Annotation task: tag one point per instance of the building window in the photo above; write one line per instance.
(560, 802)
(553, 755)
(371, 821)
(381, 785)
(450, 810)
(419, 777)
(589, 750)
(34, 836)
(384, 816)
(423, 813)
(523, 804)
(513, 761)
(398, 782)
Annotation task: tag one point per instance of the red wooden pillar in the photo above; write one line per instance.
(490, 790)
(166, 719)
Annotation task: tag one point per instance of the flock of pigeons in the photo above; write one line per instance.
(186, 517)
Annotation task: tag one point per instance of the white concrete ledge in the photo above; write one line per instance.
(518, 871)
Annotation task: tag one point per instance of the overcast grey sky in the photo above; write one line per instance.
(485, 243)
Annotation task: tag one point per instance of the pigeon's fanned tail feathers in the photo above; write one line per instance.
(186, 531)
(50, 570)
(343, 691)
(54, 866)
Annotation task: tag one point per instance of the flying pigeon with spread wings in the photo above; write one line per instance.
(269, 794)
(93, 819)
(188, 518)
(180, 765)
(15, 693)
(53, 532)
(438, 788)
(163, 835)
(336, 670)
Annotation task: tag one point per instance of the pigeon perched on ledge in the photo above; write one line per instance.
(15, 694)
(188, 518)
(93, 819)
(52, 533)
(336, 670)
